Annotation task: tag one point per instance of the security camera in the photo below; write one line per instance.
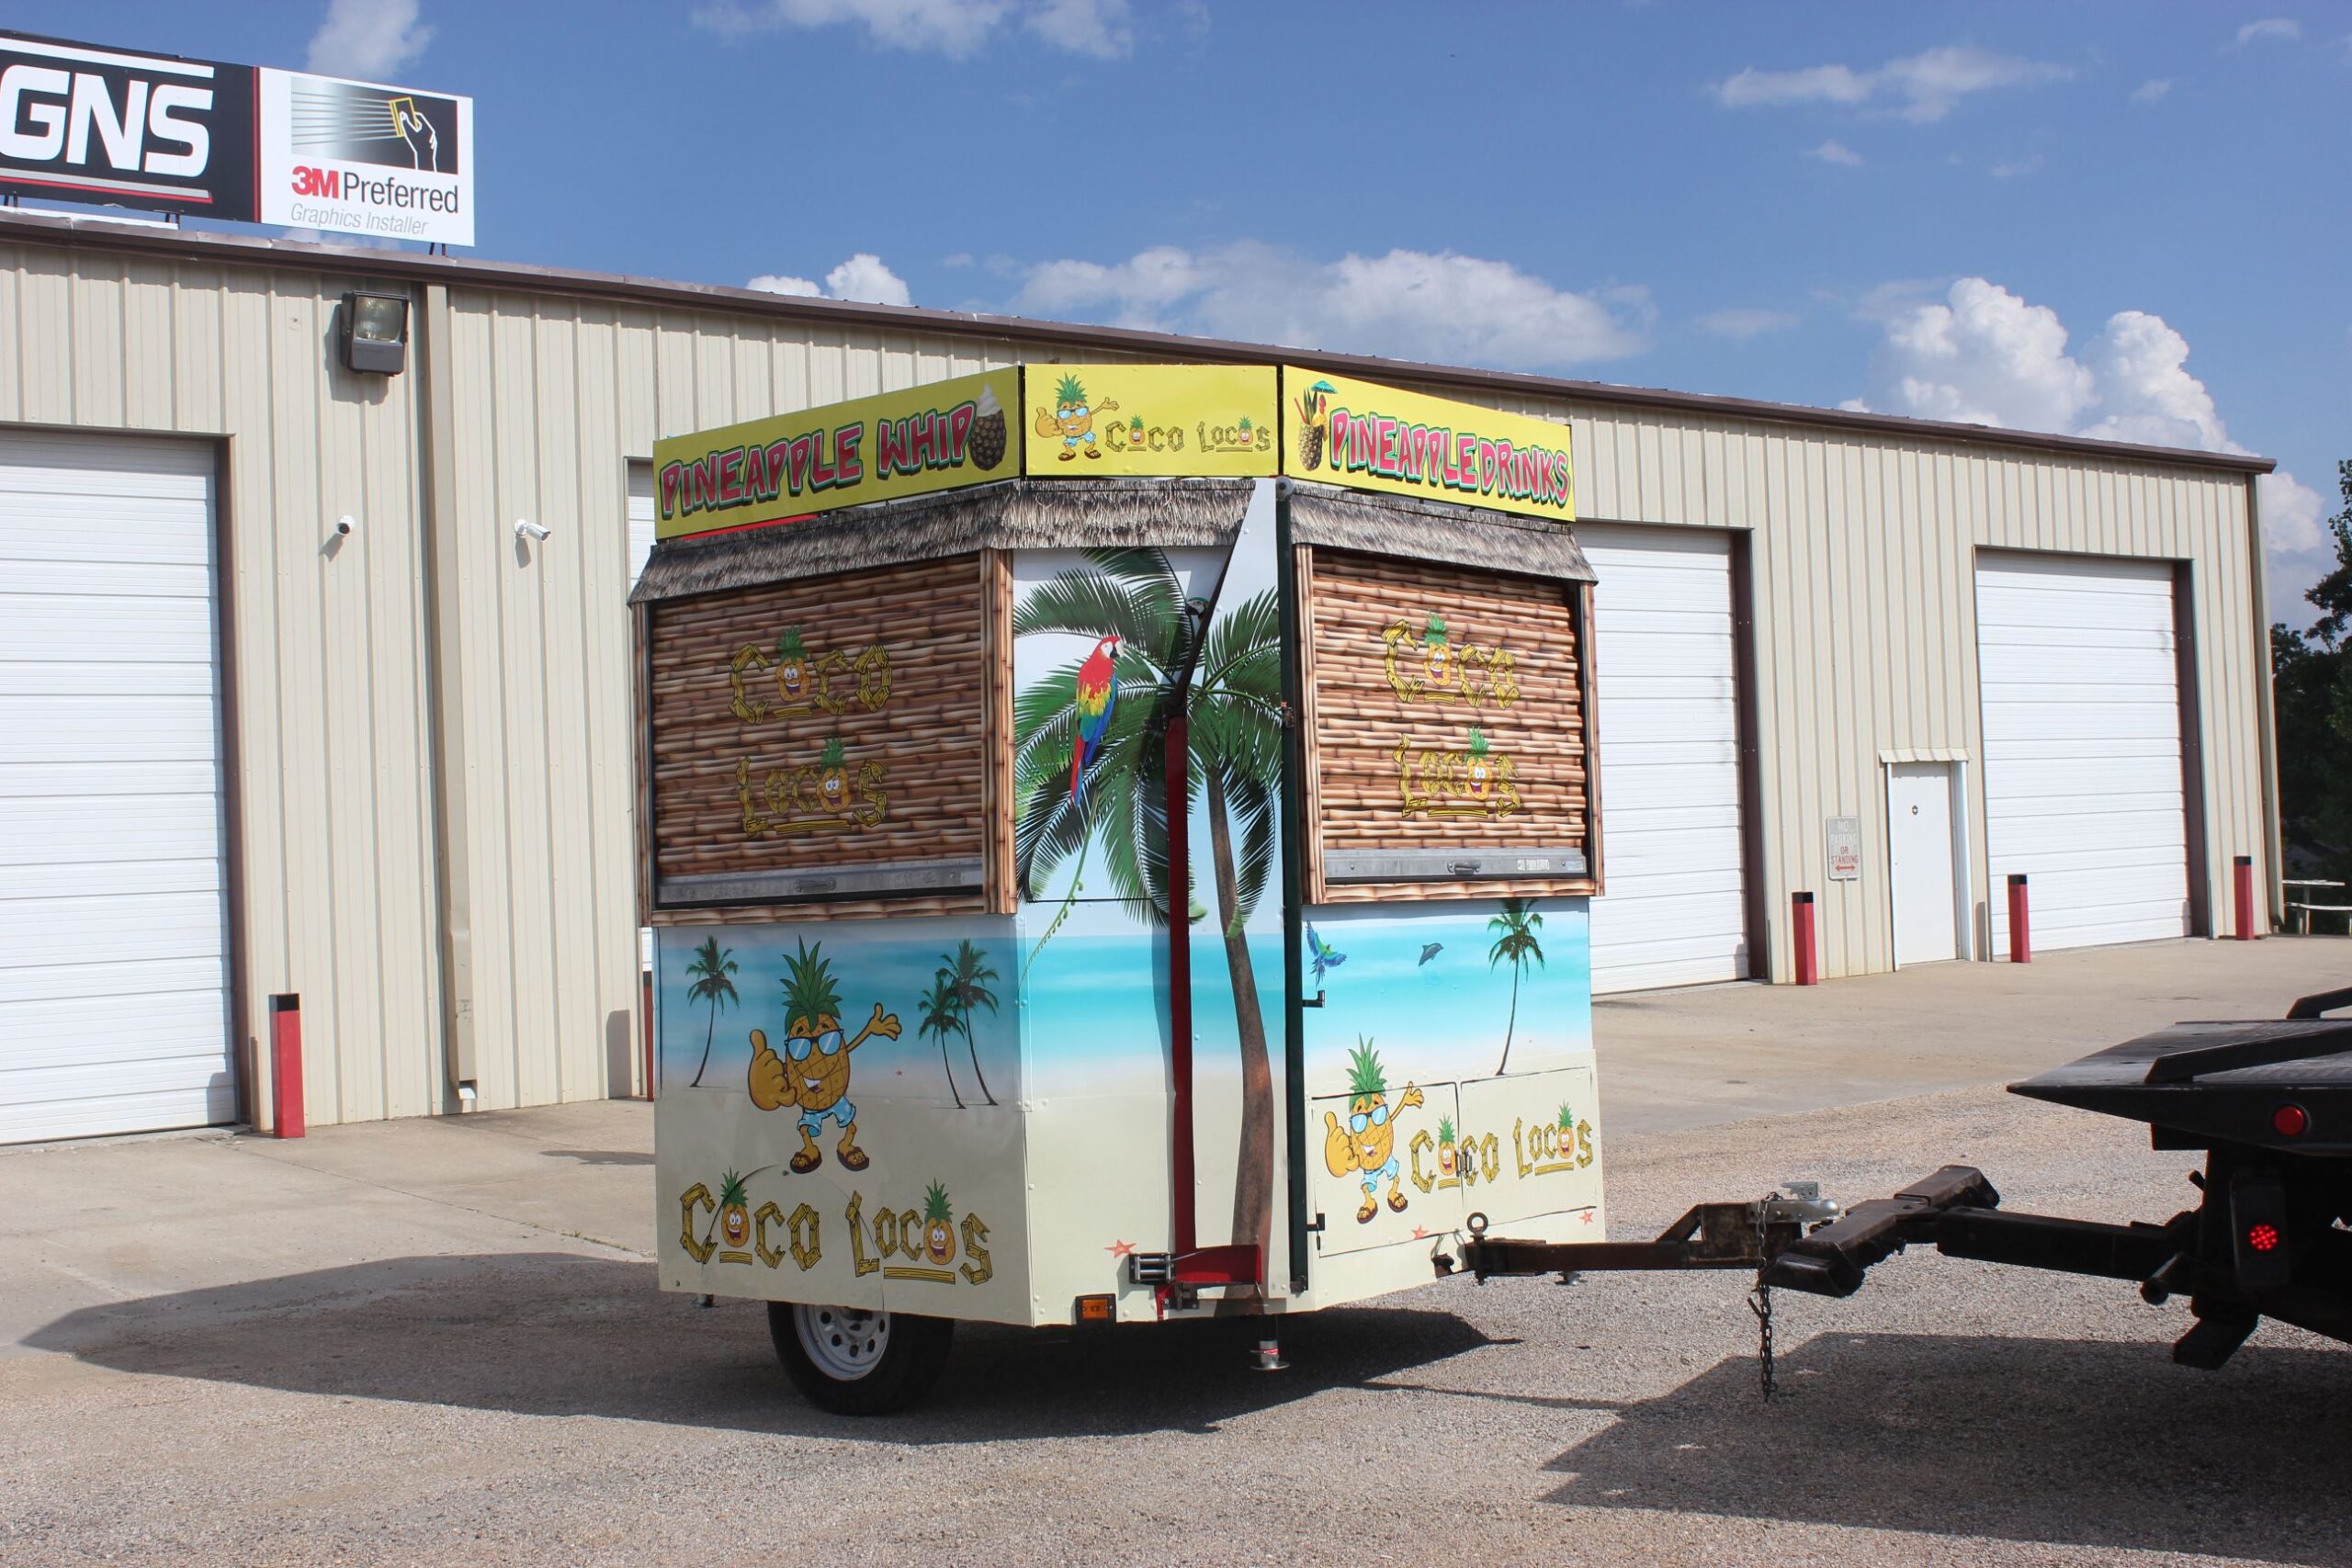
(342, 525)
(527, 529)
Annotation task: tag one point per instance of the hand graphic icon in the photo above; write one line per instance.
(409, 120)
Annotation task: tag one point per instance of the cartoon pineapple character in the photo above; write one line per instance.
(1072, 418)
(832, 784)
(734, 1211)
(812, 1072)
(1312, 405)
(986, 444)
(1445, 1144)
(1482, 767)
(791, 662)
(1365, 1145)
(1436, 650)
(1134, 430)
(938, 1226)
(1568, 1132)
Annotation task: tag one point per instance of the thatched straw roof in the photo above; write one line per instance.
(1015, 514)
(1414, 529)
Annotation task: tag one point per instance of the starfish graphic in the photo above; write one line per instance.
(1588, 1216)
(1420, 1234)
(1121, 1249)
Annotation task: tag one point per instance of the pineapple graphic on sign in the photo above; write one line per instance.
(1072, 418)
(988, 430)
(791, 662)
(938, 1226)
(1568, 1132)
(813, 1071)
(1314, 409)
(1365, 1146)
(1445, 1153)
(734, 1211)
(1436, 650)
(1481, 768)
(832, 784)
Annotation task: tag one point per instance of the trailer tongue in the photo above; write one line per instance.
(2270, 1102)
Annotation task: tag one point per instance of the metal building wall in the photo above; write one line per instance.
(329, 762)
(1863, 558)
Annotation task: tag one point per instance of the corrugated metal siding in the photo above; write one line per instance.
(555, 393)
(328, 658)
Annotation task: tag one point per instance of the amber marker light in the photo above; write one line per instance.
(1097, 1309)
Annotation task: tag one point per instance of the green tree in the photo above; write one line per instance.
(968, 975)
(2311, 698)
(1226, 681)
(1515, 944)
(939, 1010)
(709, 971)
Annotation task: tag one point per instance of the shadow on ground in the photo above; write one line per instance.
(2074, 1442)
(599, 1156)
(562, 1335)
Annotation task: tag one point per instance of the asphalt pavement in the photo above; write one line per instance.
(439, 1342)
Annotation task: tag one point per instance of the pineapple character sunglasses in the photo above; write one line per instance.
(797, 1046)
(1379, 1118)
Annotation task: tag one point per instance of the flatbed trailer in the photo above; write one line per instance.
(2269, 1103)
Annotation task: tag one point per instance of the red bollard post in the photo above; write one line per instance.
(1801, 932)
(2020, 927)
(285, 1065)
(2244, 867)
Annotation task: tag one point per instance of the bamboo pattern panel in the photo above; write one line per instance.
(1447, 709)
(821, 723)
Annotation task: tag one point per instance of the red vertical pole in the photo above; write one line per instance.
(2020, 927)
(285, 1065)
(2244, 869)
(1180, 984)
(1808, 954)
(647, 988)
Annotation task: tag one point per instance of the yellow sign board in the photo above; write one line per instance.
(1131, 420)
(1341, 431)
(936, 437)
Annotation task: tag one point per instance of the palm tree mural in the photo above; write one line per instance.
(966, 975)
(939, 1010)
(1515, 944)
(709, 971)
(1226, 681)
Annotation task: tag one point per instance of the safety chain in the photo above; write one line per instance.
(1759, 1302)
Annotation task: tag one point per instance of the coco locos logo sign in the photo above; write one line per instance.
(83, 123)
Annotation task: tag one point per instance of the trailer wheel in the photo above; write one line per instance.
(855, 1362)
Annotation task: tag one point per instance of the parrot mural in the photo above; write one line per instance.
(1325, 957)
(1098, 695)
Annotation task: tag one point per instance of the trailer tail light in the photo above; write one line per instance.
(2290, 1120)
(2263, 1238)
(2258, 1231)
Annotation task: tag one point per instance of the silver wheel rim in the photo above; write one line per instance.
(845, 1343)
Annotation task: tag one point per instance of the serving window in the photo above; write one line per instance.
(1449, 747)
(827, 740)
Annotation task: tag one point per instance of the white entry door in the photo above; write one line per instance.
(114, 999)
(1919, 835)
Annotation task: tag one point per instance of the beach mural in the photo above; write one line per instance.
(1110, 647)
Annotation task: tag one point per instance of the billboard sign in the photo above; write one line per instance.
(82, 123)
(1131, 420)
(1345, 431)
(360, 158)
(105, 125)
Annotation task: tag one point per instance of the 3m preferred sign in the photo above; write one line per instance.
(362, 158)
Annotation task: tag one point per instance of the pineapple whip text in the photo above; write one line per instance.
(1428, 454)
(816, 461)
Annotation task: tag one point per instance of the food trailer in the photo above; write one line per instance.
(1118, 841)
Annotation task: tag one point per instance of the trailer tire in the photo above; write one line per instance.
(855, 1362)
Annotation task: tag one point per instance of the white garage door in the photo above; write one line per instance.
(2082, 748)
(113, 985)
(1675, 913)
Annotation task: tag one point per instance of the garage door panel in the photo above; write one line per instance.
(75, 829)
(2082, 784)
(1663, 654)
(113, 992)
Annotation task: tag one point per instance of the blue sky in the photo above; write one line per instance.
(2125, 220)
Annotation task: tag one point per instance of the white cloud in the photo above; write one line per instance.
(1837, 152)
(373, 39)
(1409, 304)
(2151, 91)
(863, 277)
(1742, 322)
(2284, 30)
(1099, 27)
(1928, 85)
(957, 28)
(2029, 165)
(1982, 356)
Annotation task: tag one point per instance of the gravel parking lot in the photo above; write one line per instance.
(452, 1379)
